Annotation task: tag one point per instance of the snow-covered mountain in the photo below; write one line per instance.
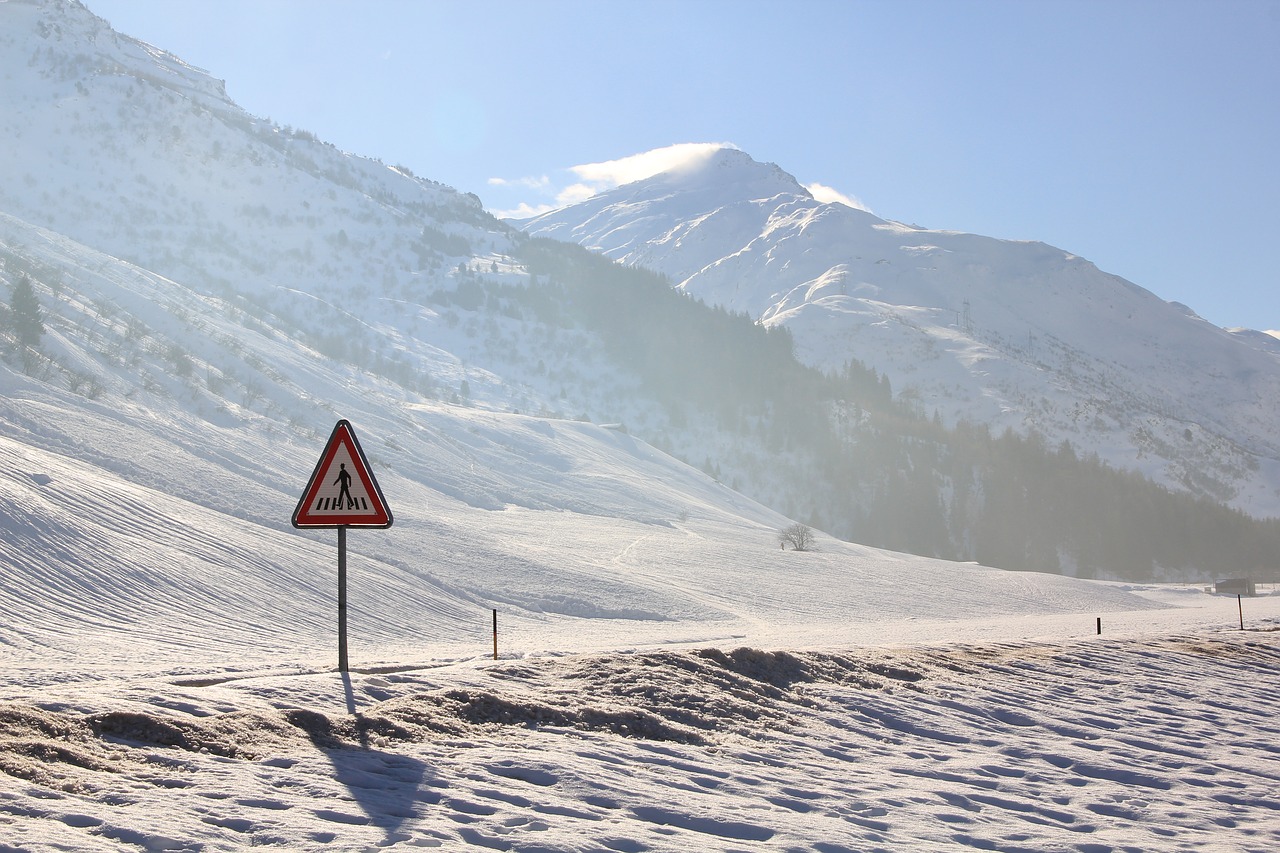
(217, 291)
(998, 332)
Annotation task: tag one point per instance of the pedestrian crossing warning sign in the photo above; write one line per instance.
(342, 491)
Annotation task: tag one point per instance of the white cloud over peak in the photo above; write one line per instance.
(575, 193)
(584, 181)
(637, 167)
(828, 195)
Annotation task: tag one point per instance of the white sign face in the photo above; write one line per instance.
(342, 491)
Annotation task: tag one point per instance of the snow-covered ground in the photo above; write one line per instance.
(668, 677)
(1017, 733)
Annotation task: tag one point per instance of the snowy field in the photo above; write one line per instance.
(668, 678)
(1012, 733)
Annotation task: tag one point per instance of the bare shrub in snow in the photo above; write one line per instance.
(798, 536)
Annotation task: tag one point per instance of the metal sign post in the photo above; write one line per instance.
(342, 599)
(342, 497)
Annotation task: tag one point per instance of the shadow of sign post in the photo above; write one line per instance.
(389, 787)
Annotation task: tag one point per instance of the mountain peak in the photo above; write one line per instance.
(60, 42)
(728, 171)
(701, 181)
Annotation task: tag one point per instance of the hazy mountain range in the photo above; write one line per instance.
(998, 332)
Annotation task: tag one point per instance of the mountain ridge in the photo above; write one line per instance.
(1012, 333)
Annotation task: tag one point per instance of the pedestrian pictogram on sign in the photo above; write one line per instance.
(342, 491)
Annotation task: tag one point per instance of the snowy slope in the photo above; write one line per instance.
(998, 332)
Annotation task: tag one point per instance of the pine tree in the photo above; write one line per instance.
(25, 313)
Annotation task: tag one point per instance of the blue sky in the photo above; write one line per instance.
(1140, 134)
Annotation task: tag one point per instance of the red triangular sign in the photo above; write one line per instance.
(342, 491)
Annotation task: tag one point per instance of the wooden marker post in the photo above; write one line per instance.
(1099, 626)
(495, 634)
(1240, 607)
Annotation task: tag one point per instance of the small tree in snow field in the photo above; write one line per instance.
(798, 536)
(25, 313)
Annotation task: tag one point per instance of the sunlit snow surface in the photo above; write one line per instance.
(669, 679)
(1154, 742)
